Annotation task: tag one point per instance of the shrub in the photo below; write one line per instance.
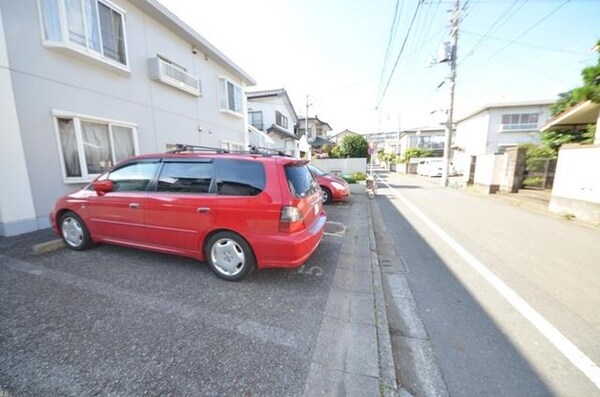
(349, 178)
(359, 176)
(416, 152)
(535, 152)
(533, 181)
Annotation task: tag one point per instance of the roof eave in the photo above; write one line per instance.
(546, 102)
(167, 18)
(568, 117)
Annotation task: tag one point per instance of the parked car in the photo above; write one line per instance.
(333, 188)
(238, 212)
(433, 167)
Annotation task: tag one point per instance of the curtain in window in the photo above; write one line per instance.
(96, 144)
(222, 94)
(91, 20)
(231, 96)
(123, 142)
(68, 144)
(75, 22)
(51, 20)
(113, 41)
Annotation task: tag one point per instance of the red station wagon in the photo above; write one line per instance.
(235, 211)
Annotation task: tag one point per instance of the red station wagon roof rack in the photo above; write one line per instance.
(255, 150)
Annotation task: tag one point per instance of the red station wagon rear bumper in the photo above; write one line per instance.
(290, 250)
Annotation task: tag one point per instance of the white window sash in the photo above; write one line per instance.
(224, 99)
(93, 46)
(77, 120)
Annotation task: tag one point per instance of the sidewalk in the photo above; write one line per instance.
(529, 199)
(352, 355)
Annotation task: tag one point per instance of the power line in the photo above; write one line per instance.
(468, 33)
(393, 29)
(400, 53)
(491, 28)
(524, 33)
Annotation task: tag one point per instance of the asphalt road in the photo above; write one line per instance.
(480, 337)
(117, 321)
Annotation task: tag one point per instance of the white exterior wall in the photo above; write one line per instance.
(17, 212)
(471, 135)
(496, 138)
(44, 79)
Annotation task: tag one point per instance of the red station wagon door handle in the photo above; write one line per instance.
(134, 206)
(203, 210)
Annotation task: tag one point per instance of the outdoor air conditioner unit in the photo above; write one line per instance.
(167, 73)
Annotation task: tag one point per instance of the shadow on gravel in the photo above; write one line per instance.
(475, 356)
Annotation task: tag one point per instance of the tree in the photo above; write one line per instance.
(590, 90)
(354, 146)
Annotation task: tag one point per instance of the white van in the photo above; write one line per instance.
(433, 166)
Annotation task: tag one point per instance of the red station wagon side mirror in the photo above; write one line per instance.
(103, 187)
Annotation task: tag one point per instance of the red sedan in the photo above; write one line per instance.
(334, 188)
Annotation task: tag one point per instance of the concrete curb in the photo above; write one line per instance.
(48, 246)
(387, 369)
(418, 369)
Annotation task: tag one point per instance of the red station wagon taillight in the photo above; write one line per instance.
(291, 219)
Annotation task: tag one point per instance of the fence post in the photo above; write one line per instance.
(546, 174)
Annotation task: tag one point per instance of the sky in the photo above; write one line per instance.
(341, 53)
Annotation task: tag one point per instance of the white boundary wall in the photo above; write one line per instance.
(488, 170)
(342, 166)
(576, 188)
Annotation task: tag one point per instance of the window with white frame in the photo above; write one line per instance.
(281, 120)
(232, 146)
(90, 146)
(255, 119)
(230, 96)
(519, 122)
(95, 27)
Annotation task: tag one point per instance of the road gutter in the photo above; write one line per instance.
(416, 366)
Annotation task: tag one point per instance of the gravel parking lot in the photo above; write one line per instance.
(117, 321)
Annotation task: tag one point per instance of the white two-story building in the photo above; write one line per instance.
(272, 113)
(495, 127)
(85, 84)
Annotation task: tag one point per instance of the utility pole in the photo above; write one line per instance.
(452, 83)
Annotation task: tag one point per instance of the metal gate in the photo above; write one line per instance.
(539, 173)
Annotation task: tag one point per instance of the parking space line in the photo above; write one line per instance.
(581, 361)
(339, 227)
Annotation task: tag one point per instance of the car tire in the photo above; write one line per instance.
(74, 232)
(327, 197)
(229, 256)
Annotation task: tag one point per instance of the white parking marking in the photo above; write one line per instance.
(564, 345)
(341, 232)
